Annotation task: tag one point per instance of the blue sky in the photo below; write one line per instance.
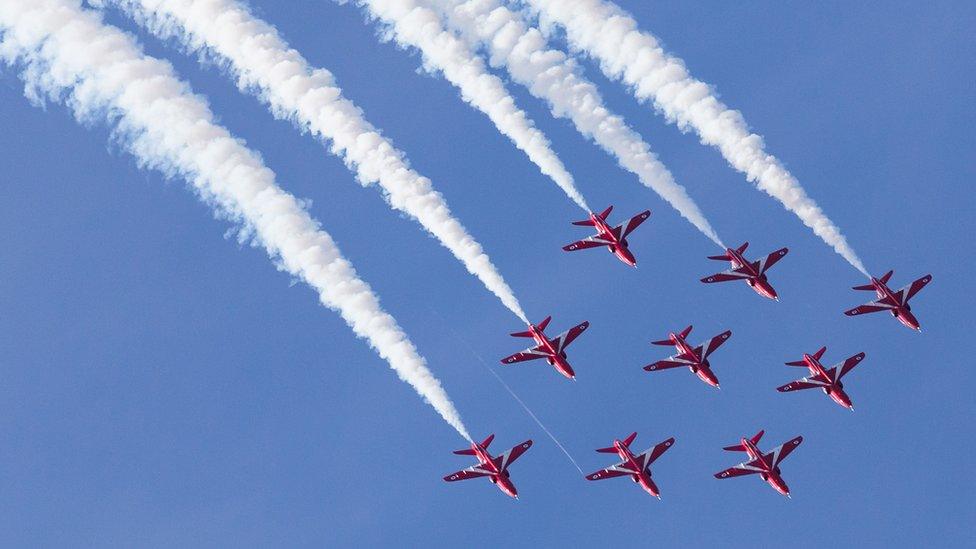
(163, 386)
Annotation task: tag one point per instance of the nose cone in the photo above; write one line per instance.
(649, 486)
(777, 483)
(624, 255)
(908, 319)
(708, 377)
(764, 289)
(840, 397)
(565, 369)
(506, 486)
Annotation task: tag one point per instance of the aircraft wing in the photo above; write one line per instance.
(740, 273)
(665, 364)
(909, 291)
(590, 242)
(800, 384)
(632, 223)
(474, 471)
(844, 367)
(615, 470)
(502, 461)
(744, 468)
(564, 339)
(780, 452)
(532, 353)
(651, 454)
(709, 346)
(765, 263)
(873, 307)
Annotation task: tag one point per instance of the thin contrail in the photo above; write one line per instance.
(554, 77)
(416, 26)
(607, 33)
(67, 54)
(522, 403)
(264, 64)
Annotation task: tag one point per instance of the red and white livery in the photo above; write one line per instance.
(553, 350)
(614, 238)
(695, 358)
(495, 468)
(765, 465)
(828, 379)
(894, 302)
(753, 272)
(637, 467)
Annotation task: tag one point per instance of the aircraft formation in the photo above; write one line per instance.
(696, 358)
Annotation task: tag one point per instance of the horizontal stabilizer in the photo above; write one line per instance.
(468, 452)
(664, 342)
(720, 257)
(630, 440)
(865, 288)
(521, 334)
(487, 442)
(736, 448)
(796, 363)
(610, 450)
(584, 223)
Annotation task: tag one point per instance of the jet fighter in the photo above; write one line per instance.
(495, 468)
(553, 350)
(894, 302)
(766, 465)
(614, 238)
(828, 379)
(753, 272)
(637, 467)
(695, 358)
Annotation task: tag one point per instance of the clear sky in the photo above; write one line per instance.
(162, 386)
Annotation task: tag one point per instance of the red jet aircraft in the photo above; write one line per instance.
(753, 272)
(895, 302)
(638, 467)
(495, 468)
(827, 379)
(767, 465)
(553, 350)
(614, 238)
(696, 359)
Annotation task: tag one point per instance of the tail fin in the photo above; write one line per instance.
(630, 440)
(542, 325)
(605, 213)
(740, 447)
(684, 333)
(742, 248)
(820, 353)
(884, 279)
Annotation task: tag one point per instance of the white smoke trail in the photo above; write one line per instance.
(608, 34)
(551, 75)
(416, 26)
(264, 64)
(69, 55)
